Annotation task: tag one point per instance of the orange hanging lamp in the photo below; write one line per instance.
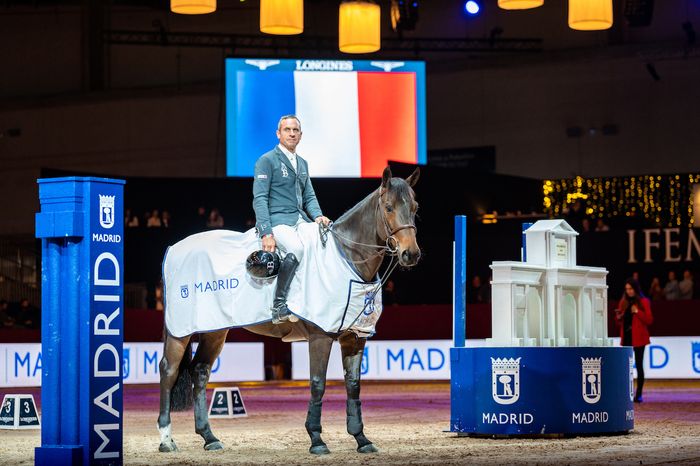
(519, 4)
(193, 7)
(359, 27)
(282, 17)
(590, 15)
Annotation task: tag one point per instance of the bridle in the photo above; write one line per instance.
(391, 244)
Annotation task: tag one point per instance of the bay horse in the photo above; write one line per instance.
(382, 222)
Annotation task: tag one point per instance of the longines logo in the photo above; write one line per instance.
(505, 380)
(324, 65)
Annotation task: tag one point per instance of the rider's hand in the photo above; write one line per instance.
(321, 219)
(269, 243)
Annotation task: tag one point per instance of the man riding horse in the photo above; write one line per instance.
(283, 197)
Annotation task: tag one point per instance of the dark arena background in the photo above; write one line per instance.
(513, 115)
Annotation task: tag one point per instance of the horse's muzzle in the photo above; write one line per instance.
(408, 258)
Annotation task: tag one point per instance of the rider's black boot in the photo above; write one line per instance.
(280, 311)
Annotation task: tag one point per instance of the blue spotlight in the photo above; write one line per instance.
(472, 7)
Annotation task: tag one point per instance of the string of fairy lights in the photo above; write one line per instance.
(664, 200)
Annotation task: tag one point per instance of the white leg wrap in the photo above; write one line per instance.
(165, 433)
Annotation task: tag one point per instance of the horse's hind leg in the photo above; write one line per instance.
(210, 346)
(169, 366)
(352, 349)
(319, 352)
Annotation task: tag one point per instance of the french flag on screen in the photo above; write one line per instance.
(355, 116)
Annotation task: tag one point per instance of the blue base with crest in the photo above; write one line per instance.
(513, 391)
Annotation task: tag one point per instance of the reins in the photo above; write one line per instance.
(391, 248)
(391, 245)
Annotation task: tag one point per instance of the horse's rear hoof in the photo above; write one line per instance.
(319, 450)
(213, 446)
(167, 447)
(369, 448)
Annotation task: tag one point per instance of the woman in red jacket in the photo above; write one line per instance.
(633, 315)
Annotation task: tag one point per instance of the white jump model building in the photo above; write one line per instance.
(548, 300)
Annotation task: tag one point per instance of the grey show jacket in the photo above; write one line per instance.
(280, 195)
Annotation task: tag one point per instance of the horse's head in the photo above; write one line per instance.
(397, 216)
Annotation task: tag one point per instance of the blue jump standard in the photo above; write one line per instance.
(513, 391)
(81, 226)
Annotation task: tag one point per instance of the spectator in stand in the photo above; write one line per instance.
(672, 291)
(389, 297)
(28, 316)
(656, 293)
(201, 217)
(601, 226)
(686, 285)
(633, 316)
(154, 220)
(6, 320)
(476, 293)
(130, 220)
(165, 219)
(585, 226)
(635, 276)
(215, 219)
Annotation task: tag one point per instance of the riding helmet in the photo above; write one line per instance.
(263, 264)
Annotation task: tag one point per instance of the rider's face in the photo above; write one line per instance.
(289, 134)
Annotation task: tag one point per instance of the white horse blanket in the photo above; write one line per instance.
(207, 287)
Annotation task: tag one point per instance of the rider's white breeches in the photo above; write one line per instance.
(288, 240)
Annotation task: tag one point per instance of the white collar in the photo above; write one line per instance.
(285, 151)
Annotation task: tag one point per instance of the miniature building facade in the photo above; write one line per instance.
(548, 300)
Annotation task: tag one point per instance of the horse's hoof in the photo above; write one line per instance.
(167, 447)
(369, 448)
(213, 446)
(319, 450)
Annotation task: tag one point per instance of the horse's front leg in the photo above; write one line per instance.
(319, 352)
(173, 355)
(352, 349)
(210, 346)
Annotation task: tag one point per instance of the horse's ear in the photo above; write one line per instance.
(413, 179)
(386, 177)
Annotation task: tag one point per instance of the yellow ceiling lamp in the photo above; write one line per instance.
(282, 17)
(359, 27)
(193, 7)
(519, 4)
(590, 15)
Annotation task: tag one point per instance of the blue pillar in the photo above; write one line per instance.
(523, 248)
(81, 226)
(460, 282)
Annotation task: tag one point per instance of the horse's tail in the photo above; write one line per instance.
(181, 395)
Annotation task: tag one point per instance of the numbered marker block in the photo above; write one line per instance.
(19, 412)
(227, 402)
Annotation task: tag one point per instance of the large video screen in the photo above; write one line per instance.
(355, 115)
